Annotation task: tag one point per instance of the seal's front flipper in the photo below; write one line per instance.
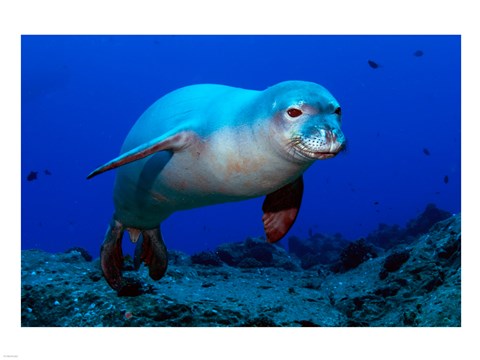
(153, 253)
(280, 210)
(173, 140)
(111, 255)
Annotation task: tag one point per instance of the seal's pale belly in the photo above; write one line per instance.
(207, 173)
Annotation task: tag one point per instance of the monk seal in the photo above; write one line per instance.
(208, 144)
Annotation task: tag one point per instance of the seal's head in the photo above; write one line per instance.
(306, 121)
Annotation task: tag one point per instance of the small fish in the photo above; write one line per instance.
(47, 172)
(32, 176)
(445, 179)
(376, 203)
(373, 64)
(426, 151)
(418, 53)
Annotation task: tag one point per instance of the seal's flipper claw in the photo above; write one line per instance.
(154, 253)
(111, 255)
(280, 210)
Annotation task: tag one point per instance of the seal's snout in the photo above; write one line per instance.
(320, 143)
(332, 140)
(335, 139)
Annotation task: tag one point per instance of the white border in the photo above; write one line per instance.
(226, 17)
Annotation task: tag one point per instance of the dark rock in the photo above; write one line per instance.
(95, 276)
(206, 258)
(287, 264)
(401, 282)
(449, 248)
(225, 254)
(410, 318)
(354, 254)
(130, 289)
(261, 251)
(424, 222)
(207, 284)
(306, 323)
(355, 323)
(310, 260)
(261, 321)
(299, 246)
(265, 287)
(134, 287)
(178, 258)
(317, 249)
(386, 236)
(249, 263)
(261, 254)
(174, 315)
(82, 252)
(358, 303)
(387, 291)
(433, 283)
(394, 261)
(312, 283)
(231, 253)
(424, 290)
(383, 274)
(265, 254)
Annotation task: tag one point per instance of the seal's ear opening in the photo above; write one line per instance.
(167, 141)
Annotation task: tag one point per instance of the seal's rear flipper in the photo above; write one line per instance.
(153, 252)
(280, 210)
(111, 255)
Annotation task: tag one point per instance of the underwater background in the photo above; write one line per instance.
(400, 99)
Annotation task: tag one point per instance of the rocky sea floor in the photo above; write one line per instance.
(321, 281)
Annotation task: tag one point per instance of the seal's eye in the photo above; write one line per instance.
(338, 111)
(293, 112)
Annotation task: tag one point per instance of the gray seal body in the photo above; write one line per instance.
(208, 144)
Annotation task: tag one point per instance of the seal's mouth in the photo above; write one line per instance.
(320, 147)
(316, 155)
(324, 155)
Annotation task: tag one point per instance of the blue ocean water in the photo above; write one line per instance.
(82, 94)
